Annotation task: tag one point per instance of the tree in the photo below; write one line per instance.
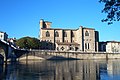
(112, 8)
(28, 43)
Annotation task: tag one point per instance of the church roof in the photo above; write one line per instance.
(57, 29)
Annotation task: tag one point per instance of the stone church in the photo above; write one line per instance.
(81, 39)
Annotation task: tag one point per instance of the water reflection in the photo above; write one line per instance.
(62, 70)
(1, 72)
(113, 69)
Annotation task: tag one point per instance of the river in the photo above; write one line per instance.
(61, 70)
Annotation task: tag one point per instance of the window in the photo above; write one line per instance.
(71, 48)
(56, 34)
(47, 34)
(85, 45)
(1, 36)
(76, 48)
(57, 48)
(65, 34)
(86, 33)
(88, 45)
(62, 48)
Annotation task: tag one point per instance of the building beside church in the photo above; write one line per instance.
(81, 39)
(109, 46)
(113, 47)
(3, 36)
(102, 46)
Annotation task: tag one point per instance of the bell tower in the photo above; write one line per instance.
(41, 23)
(44, 24)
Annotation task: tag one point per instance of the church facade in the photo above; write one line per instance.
(81, 39)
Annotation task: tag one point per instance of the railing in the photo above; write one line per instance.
(9, 44)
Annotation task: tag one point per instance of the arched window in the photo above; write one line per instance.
(56, 34)
(65, 34)
(47, 34)
(86, 33)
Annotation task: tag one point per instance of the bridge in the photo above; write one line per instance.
(6, 50)
(48, 55)
(9, 51)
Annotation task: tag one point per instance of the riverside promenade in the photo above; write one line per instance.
(52, 54)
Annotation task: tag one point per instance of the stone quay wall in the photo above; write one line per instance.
(69, 55)
(87, 55)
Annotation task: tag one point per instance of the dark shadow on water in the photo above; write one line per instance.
(61, 58)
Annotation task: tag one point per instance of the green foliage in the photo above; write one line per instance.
(28, 43)
(112, 9)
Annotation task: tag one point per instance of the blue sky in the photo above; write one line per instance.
(20, 18)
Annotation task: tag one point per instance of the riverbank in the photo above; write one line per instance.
(69, 55)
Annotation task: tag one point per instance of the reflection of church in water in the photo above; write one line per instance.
(67, 70)
(78, 70)
(64, 70)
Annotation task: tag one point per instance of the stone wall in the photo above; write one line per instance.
(71, 55)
